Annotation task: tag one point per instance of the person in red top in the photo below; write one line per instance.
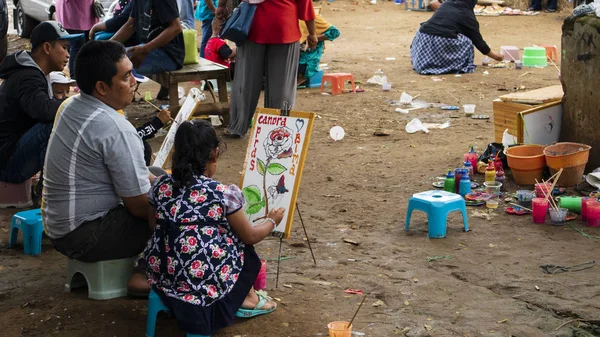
(272, 50)
(217, 49)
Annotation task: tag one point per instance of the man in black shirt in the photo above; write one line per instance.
(158, 28)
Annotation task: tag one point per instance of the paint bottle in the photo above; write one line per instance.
(465, 186)
(498, 162)
(500, 178)
(472, 157)
(490, 172)
(458, 174)
(467, 166)
(449, 182)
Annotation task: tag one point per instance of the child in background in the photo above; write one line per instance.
(200, 258)
(217, 49)
(61, 84)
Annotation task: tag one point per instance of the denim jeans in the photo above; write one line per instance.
(206, 34)
(537, 4)
(28, 156)
(186, 12)
(157, 61)
(74, 46)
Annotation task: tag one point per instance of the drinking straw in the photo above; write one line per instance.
(353, 317)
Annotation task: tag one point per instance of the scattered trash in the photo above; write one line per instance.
(323, 283)
(439, 257)
(352, 242)
(450, 107)
(386, 87)
(337, 133)
(483, 215)
(437, 79)
(406, 303)
(390, 58)
(427, 327)
(287, 286)
(503, 320)
(485, 73)
(379, 78)
(381, 134)
(457, 75)
(480, 117)
(554, 269)
(537, 288)
(353, 291)
(416, 125)
(378, 303)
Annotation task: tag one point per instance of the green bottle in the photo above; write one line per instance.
(449, 182)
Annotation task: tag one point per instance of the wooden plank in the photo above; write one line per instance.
(505, 117)
(538, 96)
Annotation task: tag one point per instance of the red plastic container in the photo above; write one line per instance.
(542, 188)
(593, 213)
(584, 201)
(539, 207)
(261, 280)
(472, 157)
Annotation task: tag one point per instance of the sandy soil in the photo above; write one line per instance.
(358, 189)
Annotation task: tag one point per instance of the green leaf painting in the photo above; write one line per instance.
(276, 169)
(255, 208)
(261, 167)
(252, 194)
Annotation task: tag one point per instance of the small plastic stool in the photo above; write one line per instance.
(437, 205)
(104, 279)
(551, 51)
(337, 82)
(155, 305)
(30, 224)
(315, 80)
(15, 195)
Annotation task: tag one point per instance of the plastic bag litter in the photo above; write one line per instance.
(379, 78)
(416, 125)
(508, 139)
(405, 98)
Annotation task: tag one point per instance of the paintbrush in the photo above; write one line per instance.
(525, 208)
(353, 317)
(152, 104)
(449, 93)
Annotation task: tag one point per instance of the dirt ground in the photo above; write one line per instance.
(358, 189)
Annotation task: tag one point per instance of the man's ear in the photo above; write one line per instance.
(46, 48)
(101, 88)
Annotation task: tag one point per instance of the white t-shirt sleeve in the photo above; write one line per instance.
(123, 155)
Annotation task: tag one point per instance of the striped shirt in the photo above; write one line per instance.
(94, 157)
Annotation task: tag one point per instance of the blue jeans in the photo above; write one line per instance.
(157, 61)
(206, 34)
(537, 4)
(28, 157)
(74, 46)
(186, 12)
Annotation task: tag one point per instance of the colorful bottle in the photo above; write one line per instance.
(458, 174)
(500, 178)
(498, 162)
(465, 186)
(467, 166)
(449, 182)
(490, 172)
(472, 157)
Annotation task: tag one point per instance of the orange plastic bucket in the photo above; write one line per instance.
(339, 329)
(571, 157)
(527, 163)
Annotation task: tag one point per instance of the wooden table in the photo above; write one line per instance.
(204, 70)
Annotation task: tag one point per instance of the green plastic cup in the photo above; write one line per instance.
(573, 204)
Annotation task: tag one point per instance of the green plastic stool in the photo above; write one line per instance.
(534, 57)
(104, 279)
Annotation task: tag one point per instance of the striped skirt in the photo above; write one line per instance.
(434, 55)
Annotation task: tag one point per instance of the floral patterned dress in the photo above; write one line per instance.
(194, 259)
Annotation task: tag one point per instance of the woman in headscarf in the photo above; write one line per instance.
(444, 43)
(310, 58)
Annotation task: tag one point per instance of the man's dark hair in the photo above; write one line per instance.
(40, 46)
(97, 61)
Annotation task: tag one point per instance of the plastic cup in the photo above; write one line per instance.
(584, 201)
(593, 213)
(261, 280)
(558, 216)
(469, 109)
(339, 329)
(525, 197)
(518, 64)
(386, 87)
(542, 188)
(539, 210)
(573, 204)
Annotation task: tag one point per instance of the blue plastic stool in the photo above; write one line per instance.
(315, 80)
(155, 305)
(30, 223)
(437, 205)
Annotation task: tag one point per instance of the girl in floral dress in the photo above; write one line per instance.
(200, 259)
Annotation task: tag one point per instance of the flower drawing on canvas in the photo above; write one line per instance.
(278, 145)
